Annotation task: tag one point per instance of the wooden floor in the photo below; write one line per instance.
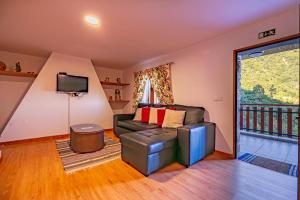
(33, 170)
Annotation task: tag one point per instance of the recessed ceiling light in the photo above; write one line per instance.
(91, 20)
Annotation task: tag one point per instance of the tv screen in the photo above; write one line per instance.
(69, 83)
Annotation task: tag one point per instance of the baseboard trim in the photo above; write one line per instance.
(228, 155)
(52, 137)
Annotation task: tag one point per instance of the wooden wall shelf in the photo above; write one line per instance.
(118, 105)
(115, 105)
(20, 74)
(112, 83)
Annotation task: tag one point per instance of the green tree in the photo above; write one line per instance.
(276, 73)
(272, 90)
(258, 91)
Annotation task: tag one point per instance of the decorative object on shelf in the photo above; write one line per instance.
(2, 66)
(18, 67)
(118, 80)
(115, 101)
(117, 95)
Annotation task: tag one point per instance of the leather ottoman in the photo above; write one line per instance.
(149, 150)
(86, 138)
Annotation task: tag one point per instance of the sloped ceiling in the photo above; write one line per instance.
(130, 30)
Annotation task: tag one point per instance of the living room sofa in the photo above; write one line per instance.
(147, 147)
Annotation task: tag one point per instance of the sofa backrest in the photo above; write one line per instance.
(194, 115)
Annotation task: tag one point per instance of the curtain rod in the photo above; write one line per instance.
(170, 63)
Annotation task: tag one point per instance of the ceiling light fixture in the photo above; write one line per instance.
(91, 20)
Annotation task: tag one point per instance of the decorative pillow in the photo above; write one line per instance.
(153, 115)
(145, 114)
(160, 116)
(173, 118)
(138, 115)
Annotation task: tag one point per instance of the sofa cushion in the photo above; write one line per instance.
(138, 115)
(173, 118)
(194, 115)
(136, 125)
(160, 116)
(154, 114)
(150, 141)
(145, 114)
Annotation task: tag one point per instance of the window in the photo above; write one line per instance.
(149, 94)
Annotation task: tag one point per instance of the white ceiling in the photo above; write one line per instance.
(130, 31)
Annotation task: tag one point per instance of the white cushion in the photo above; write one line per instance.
(138, 115)
(153, 115)
(173, 118)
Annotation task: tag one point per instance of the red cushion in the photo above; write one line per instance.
(172, 108)
(160, 116)
(145, 114)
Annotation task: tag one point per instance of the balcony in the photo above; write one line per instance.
(270, 119)
(269, 130)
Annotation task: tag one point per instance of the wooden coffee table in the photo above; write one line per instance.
(86, 138)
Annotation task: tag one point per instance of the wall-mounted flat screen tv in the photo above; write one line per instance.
(71, 84)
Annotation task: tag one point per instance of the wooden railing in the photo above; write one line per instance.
(270, 119)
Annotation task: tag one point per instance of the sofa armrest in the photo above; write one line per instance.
(195, 142)
(121, 117)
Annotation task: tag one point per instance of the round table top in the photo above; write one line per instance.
(86, 128)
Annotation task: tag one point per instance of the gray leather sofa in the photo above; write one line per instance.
(149, 148)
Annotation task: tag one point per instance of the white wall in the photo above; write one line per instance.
(44, 112)
(12, 89)
(204, 73)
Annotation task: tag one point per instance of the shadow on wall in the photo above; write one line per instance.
(219, 135)
(206, 116)
(226, 148)
(12, 99)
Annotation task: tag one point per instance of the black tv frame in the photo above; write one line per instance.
(73, 92)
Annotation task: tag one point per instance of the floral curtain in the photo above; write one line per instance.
(139, 86)
(160, 78)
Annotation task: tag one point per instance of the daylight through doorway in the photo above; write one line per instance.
(267, 106)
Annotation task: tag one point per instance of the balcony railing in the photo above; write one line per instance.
(270, 119)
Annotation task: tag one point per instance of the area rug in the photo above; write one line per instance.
(271, 164)
(72, 161)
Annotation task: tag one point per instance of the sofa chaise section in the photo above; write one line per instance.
(149, 150)
(123, 123)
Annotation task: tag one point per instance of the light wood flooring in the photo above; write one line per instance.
(33, 170)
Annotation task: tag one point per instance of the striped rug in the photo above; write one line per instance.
(268, 163)
(72, 161)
